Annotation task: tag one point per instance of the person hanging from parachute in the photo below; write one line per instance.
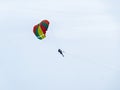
(61, 52)
(40, 31)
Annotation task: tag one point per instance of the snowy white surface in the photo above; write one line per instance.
(87, 30)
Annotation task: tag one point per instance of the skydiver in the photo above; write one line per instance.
(61, 52)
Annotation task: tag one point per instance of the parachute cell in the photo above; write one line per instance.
(40, 29)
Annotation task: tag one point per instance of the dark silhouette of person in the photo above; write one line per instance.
(61, 52)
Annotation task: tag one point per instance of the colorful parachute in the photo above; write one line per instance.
(40, 29)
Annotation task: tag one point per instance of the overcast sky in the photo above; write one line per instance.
(87, 30)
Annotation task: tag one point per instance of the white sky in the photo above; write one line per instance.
(87, 30)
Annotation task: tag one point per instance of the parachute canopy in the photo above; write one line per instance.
(40, 29)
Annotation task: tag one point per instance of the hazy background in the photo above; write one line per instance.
(87, 30)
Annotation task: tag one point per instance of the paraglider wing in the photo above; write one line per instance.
(40, 29)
